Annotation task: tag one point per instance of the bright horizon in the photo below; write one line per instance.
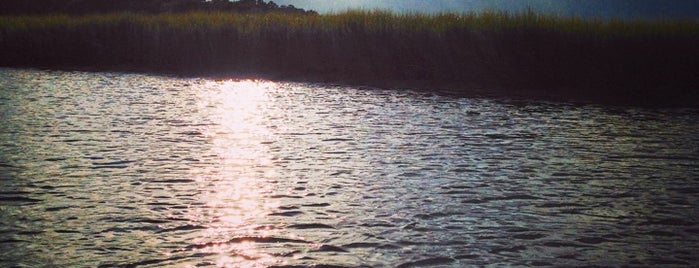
(654, 9)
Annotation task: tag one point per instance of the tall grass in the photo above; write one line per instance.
(519, 53)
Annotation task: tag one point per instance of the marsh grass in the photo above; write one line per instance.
(523, 53)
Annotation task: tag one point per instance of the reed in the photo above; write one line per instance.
(525, 53)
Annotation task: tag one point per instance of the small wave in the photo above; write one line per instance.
(362, 245)
(286, 213)
(114, 164)
(427, 262)
(529, 236)
(134, 220)
(286, 196)
(312, 266)
(121, 131)
(145, 262)
(666, 261)
(110, 167)
(474, 201)
(51, 209)
(496, 136)
(190, 133)
(371, 245)
(592, 240)
(499, 250)
(557, 205)
(378, 224)
(6, 165)
(335, 152)
(31, 232)
(659, 233)
(513, 197)
(336, 139)
(60, 231)
(440, 214)
(173, 181)
(329, 248)
(669, 222)
(11, 241)
(19, 199)
(254, 239)
(457, 192)
(466, 256)
(187, 227)
(316, 205)
(563, 244)
(310, 226)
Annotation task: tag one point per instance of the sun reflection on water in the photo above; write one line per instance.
(234, 198)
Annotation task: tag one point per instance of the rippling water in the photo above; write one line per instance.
(107, 169)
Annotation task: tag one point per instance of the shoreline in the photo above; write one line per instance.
(521, 55)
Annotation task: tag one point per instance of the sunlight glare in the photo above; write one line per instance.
(235, 198)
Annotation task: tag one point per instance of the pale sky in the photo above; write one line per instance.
(586, 8)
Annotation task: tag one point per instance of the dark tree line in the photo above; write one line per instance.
(78, 7)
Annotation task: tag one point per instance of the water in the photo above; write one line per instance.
(108, 169)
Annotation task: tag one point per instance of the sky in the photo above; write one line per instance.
(649, 9)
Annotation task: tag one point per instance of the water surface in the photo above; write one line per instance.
(109, 169)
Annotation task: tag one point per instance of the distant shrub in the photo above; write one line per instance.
(524, 52)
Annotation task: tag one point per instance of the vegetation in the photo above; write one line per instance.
(639, 62)
(82, 7)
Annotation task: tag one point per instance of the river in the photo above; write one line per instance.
(125, 170)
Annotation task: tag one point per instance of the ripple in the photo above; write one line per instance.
(173, 181)
(18, 199)
(254, 239)
(529, 236)
(427, 262)
(187, 227)
(286, 196)
(310, 226)
(328, 248)
(317, 205)
(286, 213)
(510, 249)
(592, 240)
(109, 169)
(57, 208)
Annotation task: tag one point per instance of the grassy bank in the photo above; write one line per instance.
(524, 54)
